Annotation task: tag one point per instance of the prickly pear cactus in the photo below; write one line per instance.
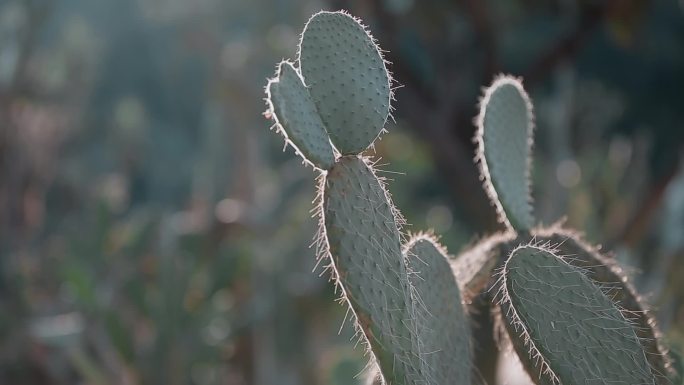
(543, 312)
(505, 125)
(567, 310)
(330, 110)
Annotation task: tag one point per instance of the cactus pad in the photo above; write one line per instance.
(607, 272)
(296, 117)
(365, 246)
(443, 329)
(504, 136)
(573, 332)
(347, 78)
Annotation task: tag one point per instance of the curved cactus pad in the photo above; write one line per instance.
(365, 246)
(442, 323)
(347, 79)
(605, 271)
(573, 332)
(504, 137)
(297, 118)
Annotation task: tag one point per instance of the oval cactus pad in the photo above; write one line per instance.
(504, 137)
(347, 78)
(572, 333)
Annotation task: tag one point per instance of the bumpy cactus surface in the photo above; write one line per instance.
(570, 328)
(504, 138)
(441, 319)
(296, 114)
(347, 77)
(365, 247)
(568, 312)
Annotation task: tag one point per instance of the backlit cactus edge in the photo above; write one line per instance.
(567, 311)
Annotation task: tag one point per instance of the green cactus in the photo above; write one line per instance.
(347, 98)
(571, 315)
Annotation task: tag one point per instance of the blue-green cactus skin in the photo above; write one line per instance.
(442, 322)
(347, 78)
(365, 246)
(573, 333)
(297, 118)
(504, 138)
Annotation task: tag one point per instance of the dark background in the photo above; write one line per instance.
(152, 230)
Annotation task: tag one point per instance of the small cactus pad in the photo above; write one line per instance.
(365, 246)
(347, 79)
(504, 137)
(573, 333)
(443, 329)
(296, 116)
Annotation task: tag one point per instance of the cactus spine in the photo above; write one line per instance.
(570, 320)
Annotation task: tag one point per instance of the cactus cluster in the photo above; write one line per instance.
(568, 311)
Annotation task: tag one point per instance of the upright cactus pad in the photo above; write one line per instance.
(365, 246)
(442, 322)
(504, 138)
(296, 117)
(347, 78)
(574, 334)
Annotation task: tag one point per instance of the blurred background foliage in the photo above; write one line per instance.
(152, 230)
